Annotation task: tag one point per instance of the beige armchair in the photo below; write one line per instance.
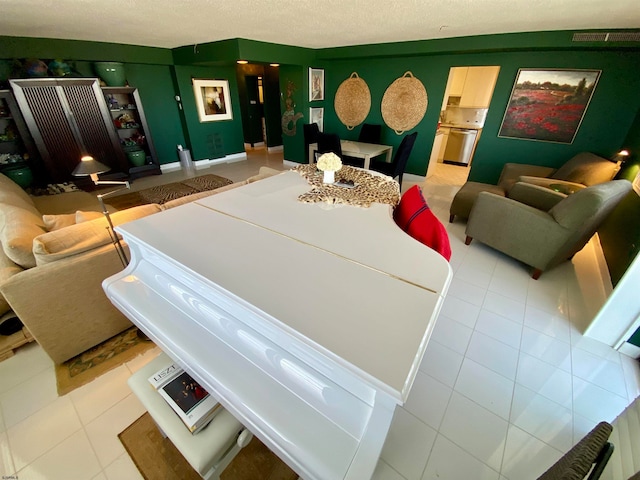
(582, 170)
(542, 238)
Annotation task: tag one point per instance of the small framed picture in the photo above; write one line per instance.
(316, 115)
(213, 100)
(316, 84)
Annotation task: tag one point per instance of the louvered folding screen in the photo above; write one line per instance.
(69, 118)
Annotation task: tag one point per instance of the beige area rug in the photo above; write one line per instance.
(164, 193)
(157, 458)
(110, 354)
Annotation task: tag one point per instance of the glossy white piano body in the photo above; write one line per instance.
(307, 321)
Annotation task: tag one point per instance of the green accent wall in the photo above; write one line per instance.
(292, 79)
(25, 47)
(155, 85)
(603, 130)
(230, 131)
(620, 233)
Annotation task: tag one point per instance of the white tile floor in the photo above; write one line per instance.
(507, 384)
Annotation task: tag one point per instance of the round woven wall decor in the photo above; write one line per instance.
(353, 101)
(404, 103)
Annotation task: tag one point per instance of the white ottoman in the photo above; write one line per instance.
(210, 450)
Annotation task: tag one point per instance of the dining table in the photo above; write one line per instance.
(363, 150)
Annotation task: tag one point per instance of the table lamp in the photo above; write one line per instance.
(91, 167)
(621, 157)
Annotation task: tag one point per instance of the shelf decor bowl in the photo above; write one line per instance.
(137, 157)
(20, 174)
(111, 73)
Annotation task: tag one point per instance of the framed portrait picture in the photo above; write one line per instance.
(548, 105)
(316, 84)
(316, 115)
(213, 100)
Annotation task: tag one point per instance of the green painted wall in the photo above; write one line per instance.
(155, 85)
(603, 130)
(24, 47)
(293, 87)
(620, 233)
(229, 130)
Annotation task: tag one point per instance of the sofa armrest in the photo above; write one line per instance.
(511, 173)
(542, 198)
(547, 182)
(523, 232)
(63, 304)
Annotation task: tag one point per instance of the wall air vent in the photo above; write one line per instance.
(624, 37)
(607, 37)
(589, 37)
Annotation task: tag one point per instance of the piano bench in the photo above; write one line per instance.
(208, 451)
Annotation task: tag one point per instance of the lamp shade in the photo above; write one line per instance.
(89, 166)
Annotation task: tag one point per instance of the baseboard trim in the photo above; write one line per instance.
(234, 157)
(291, 164)
(630, 350)
(275, 148)
(601, 265)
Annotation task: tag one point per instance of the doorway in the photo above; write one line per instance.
(463, 112)
(259, 92)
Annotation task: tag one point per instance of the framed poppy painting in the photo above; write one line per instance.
(548, 105)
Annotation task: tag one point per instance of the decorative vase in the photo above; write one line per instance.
(329, 176)
(137, 157)
(20, 174)
(111, 73)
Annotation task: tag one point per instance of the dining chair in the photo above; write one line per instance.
(310, 131)
(329, 142)
(399, 163)
(370, 133)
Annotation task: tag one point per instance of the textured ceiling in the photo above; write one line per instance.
(305, 23)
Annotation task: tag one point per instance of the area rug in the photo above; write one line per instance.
(110, 354)
(164, 193)
(157, 458)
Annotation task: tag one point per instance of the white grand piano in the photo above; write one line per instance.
(307, 321)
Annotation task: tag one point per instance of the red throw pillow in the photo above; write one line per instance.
(414, 216)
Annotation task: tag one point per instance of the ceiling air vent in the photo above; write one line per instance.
(590, 37)
(607, 37)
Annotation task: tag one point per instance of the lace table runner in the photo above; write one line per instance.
(367, 187)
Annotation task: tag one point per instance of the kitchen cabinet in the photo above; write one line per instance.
(458, 79)
(435, 153)
(133, 131)
(68, 118)
(445, 137)
(478, 86)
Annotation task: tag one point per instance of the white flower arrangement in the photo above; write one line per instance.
(329, 162)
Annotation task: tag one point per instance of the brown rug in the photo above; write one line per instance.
(110, 354)
(157, 458)
(164, 193)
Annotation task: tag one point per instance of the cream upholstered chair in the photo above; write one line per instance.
(582, 170)
(539, 238)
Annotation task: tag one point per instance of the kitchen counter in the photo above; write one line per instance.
(469, 126)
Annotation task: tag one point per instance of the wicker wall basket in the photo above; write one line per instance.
(353, 101)
(404, 103)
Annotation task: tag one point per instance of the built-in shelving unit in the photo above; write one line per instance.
(133, 131)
